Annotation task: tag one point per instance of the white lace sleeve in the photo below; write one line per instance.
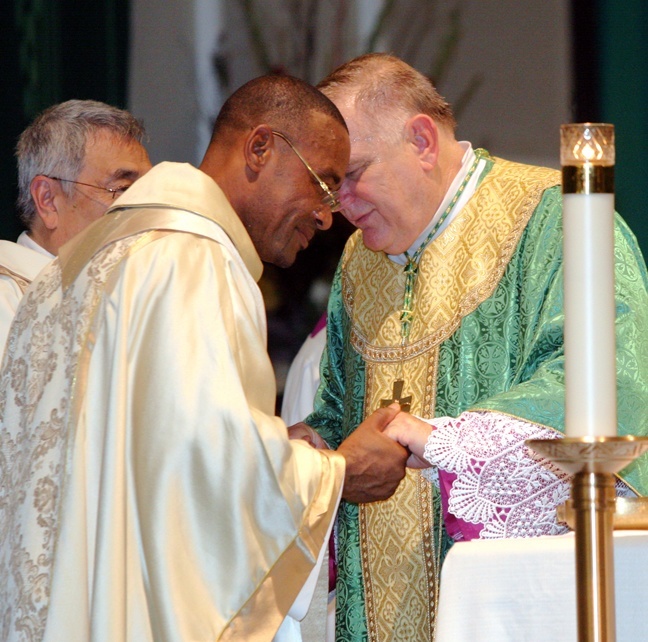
(492, 485)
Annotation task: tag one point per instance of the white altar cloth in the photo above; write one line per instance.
(524, 590)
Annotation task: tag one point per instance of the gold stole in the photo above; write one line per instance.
(399, 537)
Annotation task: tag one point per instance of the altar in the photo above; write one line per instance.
(524, 590)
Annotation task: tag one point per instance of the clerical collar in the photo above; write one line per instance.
(27, 241)
(466, 163)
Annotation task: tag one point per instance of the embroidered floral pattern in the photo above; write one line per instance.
(50, 329)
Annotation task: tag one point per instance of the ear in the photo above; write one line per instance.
(423, 135)
(258, 148)
(44, 192)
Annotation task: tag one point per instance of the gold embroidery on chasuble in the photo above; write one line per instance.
(459, 270)
(112, 256)
(21, 281)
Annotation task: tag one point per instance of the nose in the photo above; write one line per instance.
(323, 218)
(345, 194)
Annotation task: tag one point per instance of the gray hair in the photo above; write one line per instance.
(388, 91)
(55, 142)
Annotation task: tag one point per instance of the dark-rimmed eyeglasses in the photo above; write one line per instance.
(113, 191)
(330, 198)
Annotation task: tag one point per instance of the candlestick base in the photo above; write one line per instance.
(630, 514)
(593, 462)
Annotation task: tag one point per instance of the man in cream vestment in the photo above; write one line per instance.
(148, 491)
(449, 299)
(73, 160)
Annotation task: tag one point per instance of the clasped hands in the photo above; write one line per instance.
(376, 452)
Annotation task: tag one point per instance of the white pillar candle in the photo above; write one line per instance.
(588, 222)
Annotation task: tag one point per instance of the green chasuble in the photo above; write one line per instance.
(487, 335)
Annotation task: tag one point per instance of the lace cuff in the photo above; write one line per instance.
(492, 485)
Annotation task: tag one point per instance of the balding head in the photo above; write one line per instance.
(279, 151)
(404, 155)
(386, 91)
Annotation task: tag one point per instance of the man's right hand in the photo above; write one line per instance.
(305, 432)
(375, 464)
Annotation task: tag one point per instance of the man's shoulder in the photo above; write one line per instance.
(522, 188)
(20, 261)
(515, 171)
(180, 197)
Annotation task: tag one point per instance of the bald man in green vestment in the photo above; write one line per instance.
(449, 299)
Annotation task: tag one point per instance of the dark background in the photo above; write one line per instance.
(52, 51)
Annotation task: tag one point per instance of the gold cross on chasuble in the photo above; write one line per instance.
(405, 402)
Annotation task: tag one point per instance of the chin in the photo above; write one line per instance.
(371, 243)
(285, 260)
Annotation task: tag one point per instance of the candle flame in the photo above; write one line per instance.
(588, 148)
(587, 144)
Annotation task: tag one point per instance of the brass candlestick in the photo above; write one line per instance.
(593, 462)
(590, 451)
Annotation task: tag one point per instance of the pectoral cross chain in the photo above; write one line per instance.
(405, 402)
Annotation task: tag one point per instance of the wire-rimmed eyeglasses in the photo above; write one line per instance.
(330, 198)
(113, 191)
